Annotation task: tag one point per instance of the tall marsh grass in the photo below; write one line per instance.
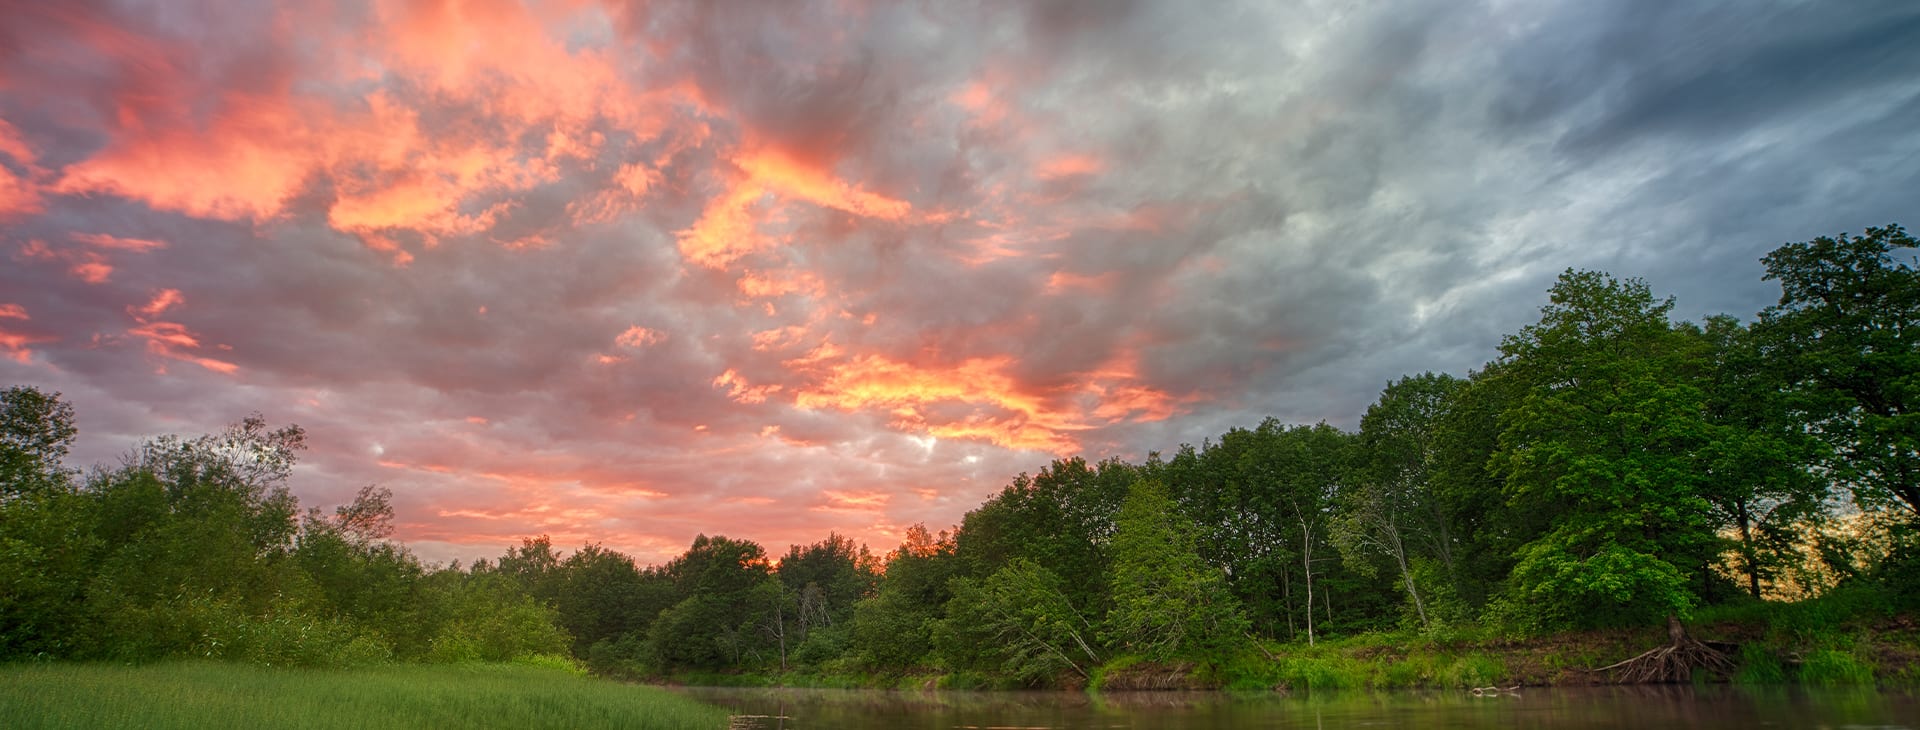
(213, 695)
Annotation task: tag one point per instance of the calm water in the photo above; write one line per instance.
(1555, 709)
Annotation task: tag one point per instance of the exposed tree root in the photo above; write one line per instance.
(1674, 662)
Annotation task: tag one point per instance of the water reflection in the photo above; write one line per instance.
(1547, 709)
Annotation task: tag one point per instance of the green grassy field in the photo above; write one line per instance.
(208, 695)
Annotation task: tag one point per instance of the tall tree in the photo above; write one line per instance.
(1760, 460)
(1390, 508)
(1485, 530)
(601, 597)
(824, 580)
(1060, 518)
(1602, 441)
(1167, 602)
(1847, 334)
(47, 541)
(894, 628)
(1261, 498)
(717, 622)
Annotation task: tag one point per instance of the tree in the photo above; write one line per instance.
(822, 582)
(359, 574)
(1846, 332)
(600, 598)
(47, 543)
(1760, 460)
(1390, 508)
(1603, 441)
(1021, 617)
(717, 620)
(1167, 603)
(535, 565)
(1060, 518)
(1261, 498)
(35, 430)
(894, 628)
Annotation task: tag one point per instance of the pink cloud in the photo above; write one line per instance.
(102, 240)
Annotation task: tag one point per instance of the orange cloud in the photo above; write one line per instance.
(637, 336)
(741, 391)
(250, 158)
(115, 242)
(93, 271)
(792, 178)
(764, 285)
(779, 338)
(19, 195)
(161, 302)
(517, 74)
(172, 340)
(15, 343)
(86, 266)
(998, 409)
(856, 501)
(1060, 282)
(731, 225)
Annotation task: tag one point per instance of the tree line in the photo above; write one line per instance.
(1612, 466)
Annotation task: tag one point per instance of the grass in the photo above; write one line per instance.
(211, 695)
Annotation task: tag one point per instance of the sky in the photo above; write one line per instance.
(627, 272)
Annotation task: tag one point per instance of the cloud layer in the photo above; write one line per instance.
(625, 272)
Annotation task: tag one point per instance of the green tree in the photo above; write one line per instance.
(207, 519)
(822, 583)
(535, 565)
(1602, 442)
(486, 616)
(1021, 620)
(46, 529)
(1167, 602)
(1761, 460)
(1846, 333)
(359, 575)
(717, 621)
(1484, 528)
(1060, 518)
(1262, 499)
(35, 430)
(893, 630)
(1390, 508)
(601, 598)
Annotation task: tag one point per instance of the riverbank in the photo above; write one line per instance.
(192, 695)
(1818, 644)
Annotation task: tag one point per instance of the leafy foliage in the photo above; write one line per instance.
(1846, 336)
(1168, 603)
(1604, 439)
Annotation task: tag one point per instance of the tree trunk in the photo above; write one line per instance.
(1418, 607)
(1306, 560)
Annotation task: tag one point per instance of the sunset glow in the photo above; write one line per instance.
(626, 272)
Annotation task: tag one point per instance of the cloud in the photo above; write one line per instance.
(628, 272)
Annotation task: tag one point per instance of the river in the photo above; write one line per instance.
(1544, 708)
